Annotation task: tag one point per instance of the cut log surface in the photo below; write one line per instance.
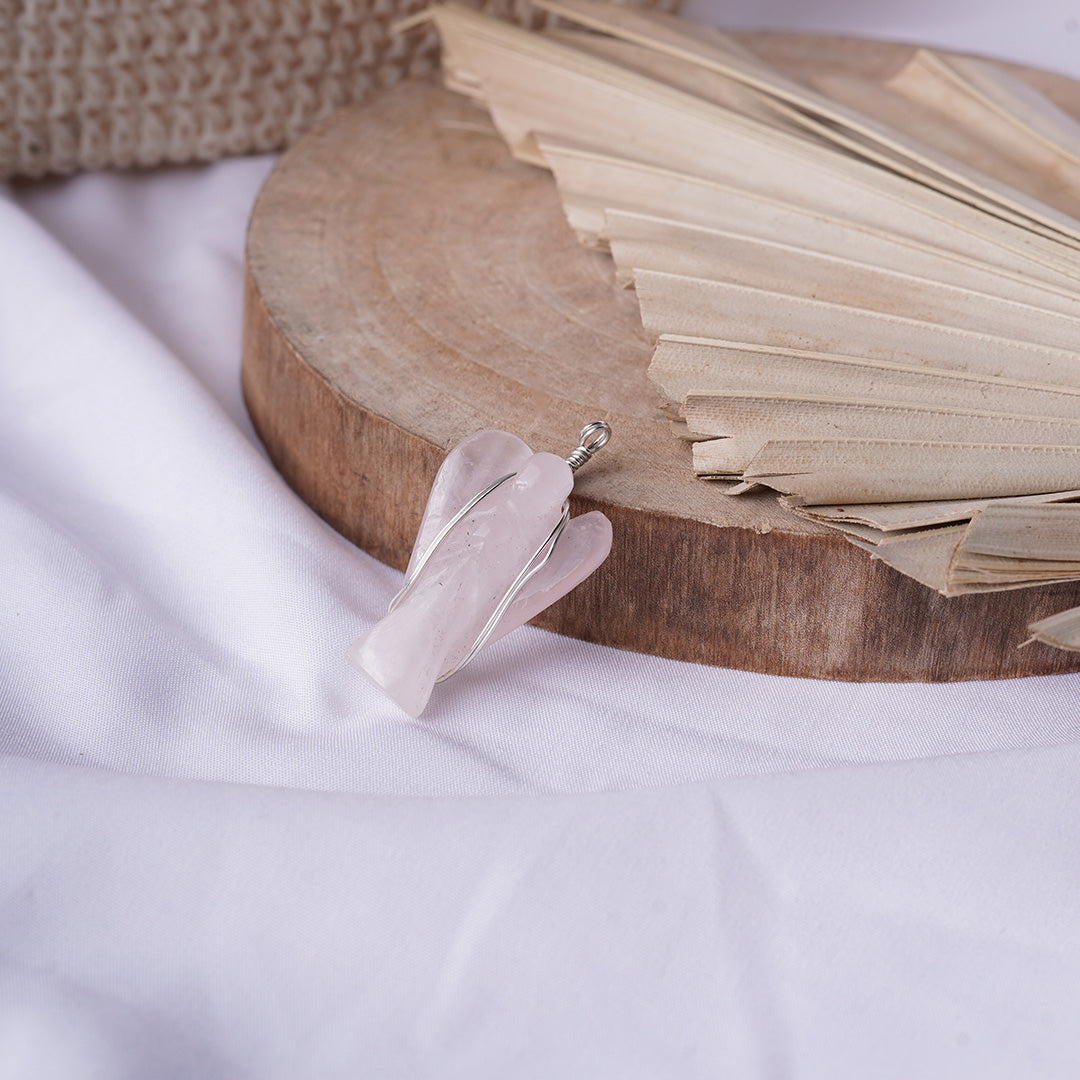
(408, 284)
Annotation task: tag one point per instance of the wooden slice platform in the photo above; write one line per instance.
(408, 284)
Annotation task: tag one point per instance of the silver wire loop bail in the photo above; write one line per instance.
(593, 437)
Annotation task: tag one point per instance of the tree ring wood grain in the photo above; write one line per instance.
(408, 283)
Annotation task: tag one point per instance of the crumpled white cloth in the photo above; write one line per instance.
(224, 854)
(891, 921)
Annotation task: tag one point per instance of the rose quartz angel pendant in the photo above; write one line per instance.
(496, 547)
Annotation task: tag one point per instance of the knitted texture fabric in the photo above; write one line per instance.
(86, 84)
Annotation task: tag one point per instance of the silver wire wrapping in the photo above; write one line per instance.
(593, 437)
(441, 536)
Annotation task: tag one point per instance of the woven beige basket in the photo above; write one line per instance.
(86, 84)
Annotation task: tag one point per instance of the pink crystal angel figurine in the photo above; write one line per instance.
(496, 547)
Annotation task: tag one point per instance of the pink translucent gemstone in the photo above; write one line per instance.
(450, 603)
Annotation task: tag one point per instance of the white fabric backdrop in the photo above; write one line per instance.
(222, 854)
